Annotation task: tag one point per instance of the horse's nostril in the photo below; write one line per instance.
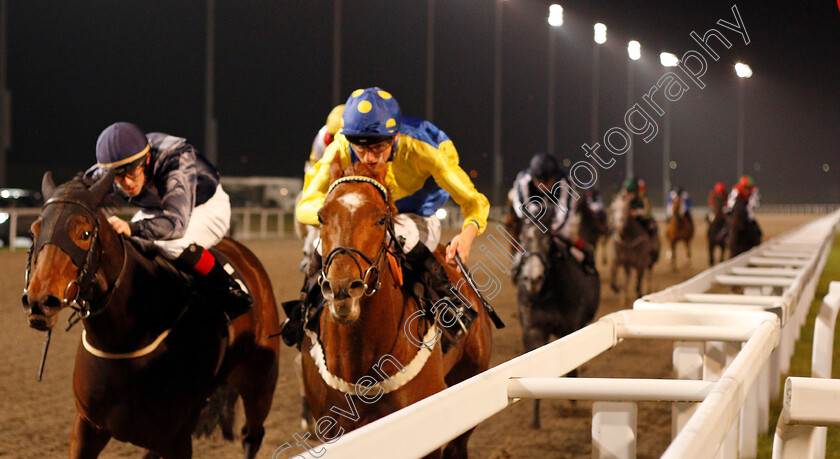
(326, 287)
(25, 301)
(52, 302)
(356, 286)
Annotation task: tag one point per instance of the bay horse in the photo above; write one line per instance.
(555, 295)
(717, 229)
(679, 228)
(153, 348)
(592, 229)
(374, 353)
(744, 233)
(633, 248)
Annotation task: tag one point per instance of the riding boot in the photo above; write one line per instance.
(442, 293)
(212, 276)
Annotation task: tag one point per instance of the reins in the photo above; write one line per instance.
(369, 276)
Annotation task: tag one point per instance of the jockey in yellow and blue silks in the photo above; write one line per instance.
(416, 151)
(423, 172)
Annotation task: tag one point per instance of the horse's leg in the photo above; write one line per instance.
(306, 419)
(688, 250)
(640, 274)
(256, 386)
(613, 274)
(626, 285)
(674, 254)
(87, 440)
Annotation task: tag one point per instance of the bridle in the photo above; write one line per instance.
(54, 232)
(369, 276)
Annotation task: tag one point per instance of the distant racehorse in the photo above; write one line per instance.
(744, 233)
(716, 232)
(633, 248)
(556, 297)
(680, 228)
(592, 229)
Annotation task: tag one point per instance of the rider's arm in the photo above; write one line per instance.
(442, 162)
(177, 196)
(565, 211)
(313, 195)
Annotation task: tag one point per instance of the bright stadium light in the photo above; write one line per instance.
(634, 50)
(600, 33)
(555, 15)
(743, 70)
(668, 60)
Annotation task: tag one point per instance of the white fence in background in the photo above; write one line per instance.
(729, 352)
(249, 223)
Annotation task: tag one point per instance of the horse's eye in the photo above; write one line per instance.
(321, 221)
(382, 220)
(86, 235)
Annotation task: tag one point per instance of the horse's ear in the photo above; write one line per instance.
(103, 186)
(335, 168)
(47, 186)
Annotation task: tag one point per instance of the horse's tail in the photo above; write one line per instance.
(219, 411)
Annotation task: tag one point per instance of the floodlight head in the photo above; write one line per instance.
(743, 70)
(555, 15)
(668, 60)
(634, 50)
(600, 33)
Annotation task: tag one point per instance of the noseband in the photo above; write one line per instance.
(55, 232)
(369, 276)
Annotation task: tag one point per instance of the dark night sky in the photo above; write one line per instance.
(75, 67)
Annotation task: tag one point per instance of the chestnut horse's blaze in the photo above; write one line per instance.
(372, 328)
(149, 360)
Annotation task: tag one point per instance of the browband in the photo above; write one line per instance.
(359, 178)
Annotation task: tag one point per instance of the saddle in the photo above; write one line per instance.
(148, 249)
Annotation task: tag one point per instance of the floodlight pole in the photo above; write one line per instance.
(497, 108)
(430, 59)
(5, 99)
(210, 122)
(336, 74)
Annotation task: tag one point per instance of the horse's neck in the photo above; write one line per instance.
(127, 314)
(352, 351)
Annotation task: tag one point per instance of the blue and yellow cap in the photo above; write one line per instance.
(120, 144)
(370, 115)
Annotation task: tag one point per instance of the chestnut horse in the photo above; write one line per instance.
(153, 348)
(679, 228)
(374, 353)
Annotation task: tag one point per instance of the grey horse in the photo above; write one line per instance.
(555, 295)
(633, 248)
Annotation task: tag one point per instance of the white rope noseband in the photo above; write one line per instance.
(389, 385)
(127, 355)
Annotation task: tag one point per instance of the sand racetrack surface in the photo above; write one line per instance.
(36, 418)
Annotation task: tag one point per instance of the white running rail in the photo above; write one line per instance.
(729, 352)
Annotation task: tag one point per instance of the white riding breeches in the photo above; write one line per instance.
(411, 229)
(209, 223)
